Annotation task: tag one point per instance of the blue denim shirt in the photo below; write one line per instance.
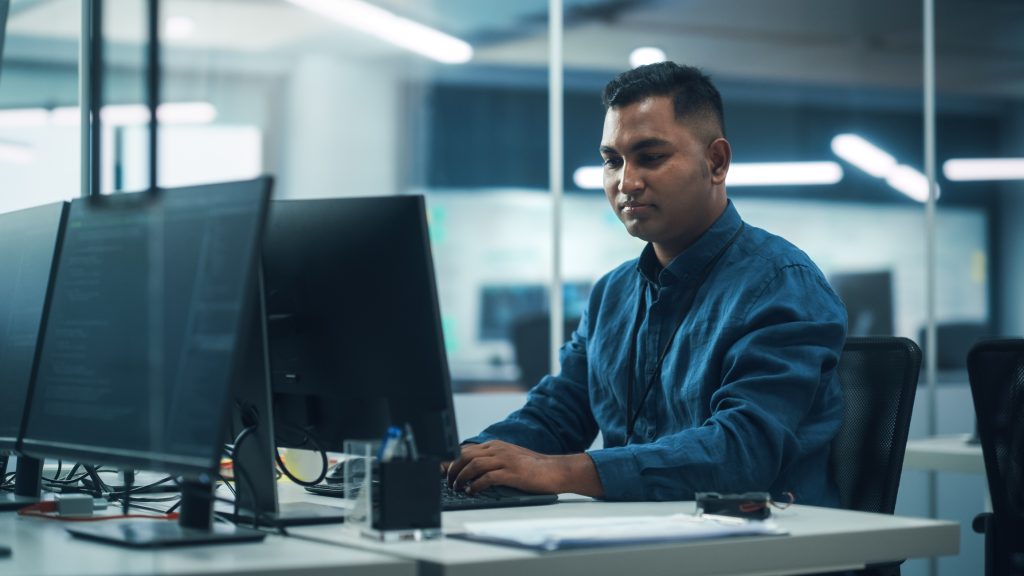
(747, 397)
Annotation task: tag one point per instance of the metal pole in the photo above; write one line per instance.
(555, 175)
(90, 86)
(85, 94)
(153, 86)
(931, 346)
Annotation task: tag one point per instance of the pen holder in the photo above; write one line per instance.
(391, 500)
(407, 495)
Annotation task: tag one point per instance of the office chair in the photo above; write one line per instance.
(878, 376)
(996, 372)
(531, 340)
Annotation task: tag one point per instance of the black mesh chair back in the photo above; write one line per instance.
(996, 371)
(878, 375)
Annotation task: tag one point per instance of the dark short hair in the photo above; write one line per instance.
(693, 95)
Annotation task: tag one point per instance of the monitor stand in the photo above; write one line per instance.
(26, 485)
(254, 462)
(195, 525)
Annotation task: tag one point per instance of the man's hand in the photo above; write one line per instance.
(497, 463)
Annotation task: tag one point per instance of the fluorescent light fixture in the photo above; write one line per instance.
(392, 28)
(910, 182)
(23, 117)
(589, 177)
(138, 114)
(12, 153)
(179, 27)
(784, 173)
(744, 174)
(186, 113)
(978, 169)
(646, 55)
(863, 154)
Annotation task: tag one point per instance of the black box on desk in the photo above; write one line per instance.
(408, 495)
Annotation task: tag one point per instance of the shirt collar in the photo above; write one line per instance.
(690, 262)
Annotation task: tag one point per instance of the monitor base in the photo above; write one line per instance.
(160, 534)
(293, 514)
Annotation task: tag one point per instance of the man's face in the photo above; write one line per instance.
(664, 183)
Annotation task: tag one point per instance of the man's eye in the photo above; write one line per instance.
(652, 158)
(612, 162)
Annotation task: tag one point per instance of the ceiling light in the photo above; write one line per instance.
(138, 114)
(863, 154)
(389, 27)
(784, 173)
(744, 174)
(646, 55)
(23, 117)
(910, 182)
(977, 169)
(589, 177)
(13, 153)
(179, 27)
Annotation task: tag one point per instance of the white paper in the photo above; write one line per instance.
(556, 533)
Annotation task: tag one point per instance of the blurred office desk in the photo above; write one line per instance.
(950, 453)
(820, 540)
(43, 548)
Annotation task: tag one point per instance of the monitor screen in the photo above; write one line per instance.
(868, 297)
(353, 323)
(29, 239)
(143, 325)
(502, 306)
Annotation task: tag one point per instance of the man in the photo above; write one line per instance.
(708, 364)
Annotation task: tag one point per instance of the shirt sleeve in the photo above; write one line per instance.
(556, 418)
(774, 368)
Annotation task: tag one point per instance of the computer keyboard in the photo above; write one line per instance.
(494, 497)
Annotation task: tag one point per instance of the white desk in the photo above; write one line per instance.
(949, 453)
(820, 540)
(43, 548)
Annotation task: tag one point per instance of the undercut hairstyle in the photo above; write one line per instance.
(695, 99)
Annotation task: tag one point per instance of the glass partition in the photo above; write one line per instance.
(40, 147)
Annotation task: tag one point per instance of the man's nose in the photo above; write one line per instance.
(630, 180)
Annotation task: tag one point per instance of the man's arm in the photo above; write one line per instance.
(539, 447)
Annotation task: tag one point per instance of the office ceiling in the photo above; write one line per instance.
(841, 43)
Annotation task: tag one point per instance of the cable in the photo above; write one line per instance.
(46, 509)
(307, 438)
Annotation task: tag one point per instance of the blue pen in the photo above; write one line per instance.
(390, 444)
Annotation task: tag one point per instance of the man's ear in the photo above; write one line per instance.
(719, 157)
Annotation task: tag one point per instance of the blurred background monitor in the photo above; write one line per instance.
(502, 306)
(28, 241)
(868, 297)
(953, 340)
(139, 346)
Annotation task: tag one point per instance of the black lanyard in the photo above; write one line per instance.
(641, 311)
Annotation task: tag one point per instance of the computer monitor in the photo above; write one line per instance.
(140, 344)
(868, 297)
(354, 337)
(30, 238)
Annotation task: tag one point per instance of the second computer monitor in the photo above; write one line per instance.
(28, 241)
(143, 326)
(354, 327)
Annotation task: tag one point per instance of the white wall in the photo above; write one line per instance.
(341, 126)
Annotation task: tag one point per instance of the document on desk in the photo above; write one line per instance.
(566, 533)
